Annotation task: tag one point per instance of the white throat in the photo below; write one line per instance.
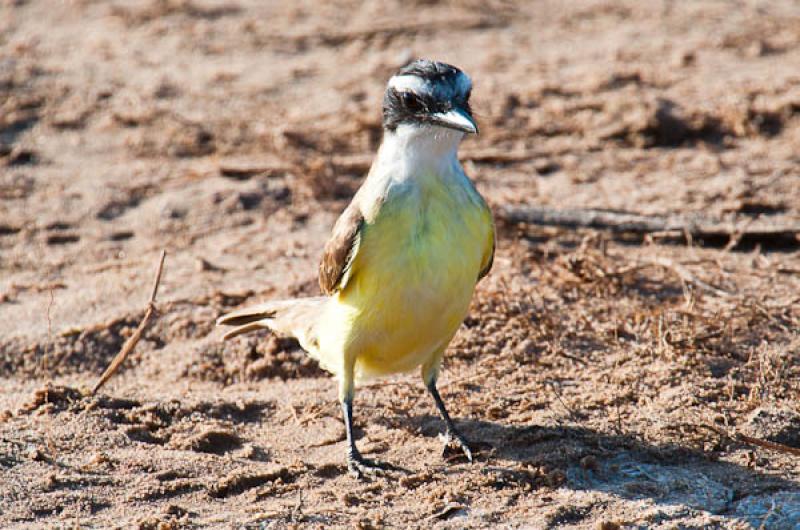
(414, 151)
(410, 159)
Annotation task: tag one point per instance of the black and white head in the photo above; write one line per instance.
(429, 94)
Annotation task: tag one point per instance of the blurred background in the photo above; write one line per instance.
(233, 133)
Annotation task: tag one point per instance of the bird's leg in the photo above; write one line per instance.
(356, 464)
(452, 433)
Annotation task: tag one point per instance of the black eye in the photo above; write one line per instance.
(411, 101)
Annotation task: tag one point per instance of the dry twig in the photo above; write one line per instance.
(766, 444)
(686, 276)
(131, 343)
(750, 440)
(627, 222)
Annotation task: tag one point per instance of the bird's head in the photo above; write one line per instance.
(429, 94)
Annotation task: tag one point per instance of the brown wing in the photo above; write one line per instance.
(340, 249)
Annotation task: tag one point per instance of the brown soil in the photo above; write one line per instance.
(606, 389)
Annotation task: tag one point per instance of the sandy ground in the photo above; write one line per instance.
(606, 390)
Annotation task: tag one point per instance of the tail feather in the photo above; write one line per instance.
(246, 328)
(294, 318)
(249, 314)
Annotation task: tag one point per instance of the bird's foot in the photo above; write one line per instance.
(362, 468)
(454, 438)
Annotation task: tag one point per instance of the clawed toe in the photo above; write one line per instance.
(361, 467)
(455, 441)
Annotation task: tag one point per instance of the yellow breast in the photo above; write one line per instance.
(413, 277)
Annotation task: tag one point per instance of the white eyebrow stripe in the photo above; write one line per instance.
(403, 83)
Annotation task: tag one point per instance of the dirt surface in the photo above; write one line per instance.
(607, 379)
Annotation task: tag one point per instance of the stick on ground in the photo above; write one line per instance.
(749, 440)
(133, 340)
(761, 230)
(686, 276)
(766, 444)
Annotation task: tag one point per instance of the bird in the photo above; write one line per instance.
(400, 268)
